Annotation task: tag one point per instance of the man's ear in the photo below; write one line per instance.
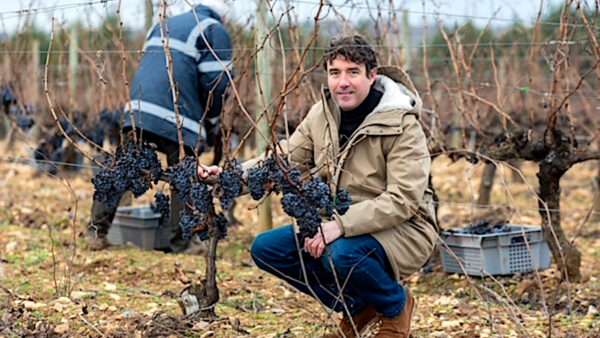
(373, 75)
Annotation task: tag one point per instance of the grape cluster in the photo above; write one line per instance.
(201, 197)
(188, 222)
(257, 177)
(317, 193)
(304, 206)
(203, 234)
(132, 168)
(180, 177)
(8, 97)
(108, 125)
(307, 217)
(281, 177)
(301, 201)
(162, 206)
(222, 223)
(230, 184)
(148, 159)
(271, 177)
(96, 135)
(135, 167)
(484, 227)
(24, 122)
(342, 201)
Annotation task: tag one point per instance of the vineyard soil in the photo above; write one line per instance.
(124, 291)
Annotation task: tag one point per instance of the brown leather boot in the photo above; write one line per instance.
(398, 326)
(361, 320)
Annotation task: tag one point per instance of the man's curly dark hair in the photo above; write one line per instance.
(353, 48)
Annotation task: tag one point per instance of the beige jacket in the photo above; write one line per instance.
(384, 165)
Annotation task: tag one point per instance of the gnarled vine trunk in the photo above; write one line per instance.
(200, 299)
(552, 168)
(487, 184)
(554, 161)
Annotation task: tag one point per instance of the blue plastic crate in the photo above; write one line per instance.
(496, 253)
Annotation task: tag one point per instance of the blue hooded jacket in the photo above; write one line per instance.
(196, 72)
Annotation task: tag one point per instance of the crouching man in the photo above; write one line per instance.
(363, 136)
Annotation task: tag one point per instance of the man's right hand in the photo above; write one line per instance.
(206, 171)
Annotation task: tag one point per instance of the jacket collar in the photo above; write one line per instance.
(399, 93)
(395, 96)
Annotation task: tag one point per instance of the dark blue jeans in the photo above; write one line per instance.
(362, 267)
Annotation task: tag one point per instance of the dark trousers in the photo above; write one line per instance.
(102, 215)
(361, 267)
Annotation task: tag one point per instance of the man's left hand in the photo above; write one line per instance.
(315, 245)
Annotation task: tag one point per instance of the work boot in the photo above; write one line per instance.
(398, 326)
(95, 242)
(361, 320)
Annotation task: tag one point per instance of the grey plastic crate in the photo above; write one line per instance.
(140, 226)
(495, 254)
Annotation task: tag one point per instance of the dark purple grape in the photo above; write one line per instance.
(286, 180)
(317, 193)
(309, 223)
(201, 197)
(8, 97)
(188, 222)
(162, 206)
(257, 177)
(342, 201)
(294, 205)
(104, 188)
(181, 175)
(221, 222)
(230, 184)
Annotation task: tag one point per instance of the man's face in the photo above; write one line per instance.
(348, 82)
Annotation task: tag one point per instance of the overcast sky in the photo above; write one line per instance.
(13, 12)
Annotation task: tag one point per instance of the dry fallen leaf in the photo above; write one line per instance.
(524, 286)
(110, 287)
(62, 328)
(200, 325)
(58, 307)
(33, 306)
(450, 324)
(446, 301)
(77, 295)
(10, 247)
(591, 312)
